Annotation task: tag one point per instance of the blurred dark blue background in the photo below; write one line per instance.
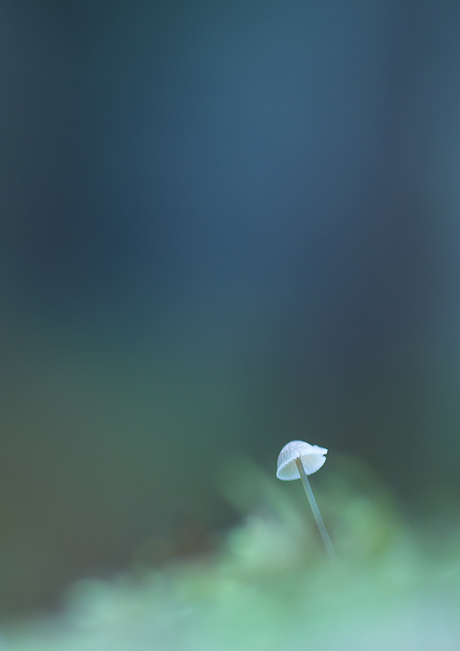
(223, 226)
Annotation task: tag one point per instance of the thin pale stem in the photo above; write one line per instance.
(316, 512)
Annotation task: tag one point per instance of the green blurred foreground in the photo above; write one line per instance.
(270, 586)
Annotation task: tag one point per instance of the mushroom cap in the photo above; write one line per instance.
(312, 458)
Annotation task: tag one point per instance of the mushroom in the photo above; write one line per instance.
(297, 460)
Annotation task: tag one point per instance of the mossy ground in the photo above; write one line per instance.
(270, 587)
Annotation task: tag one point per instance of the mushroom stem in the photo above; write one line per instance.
(316, 512)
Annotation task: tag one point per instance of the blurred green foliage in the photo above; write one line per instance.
(269, 586)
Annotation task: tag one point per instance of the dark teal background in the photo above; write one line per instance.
(222, 226)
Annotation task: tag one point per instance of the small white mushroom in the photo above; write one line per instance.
(297, 460)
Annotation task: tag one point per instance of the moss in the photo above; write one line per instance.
(270, 587)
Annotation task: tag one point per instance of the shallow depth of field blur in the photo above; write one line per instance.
(224, 226)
